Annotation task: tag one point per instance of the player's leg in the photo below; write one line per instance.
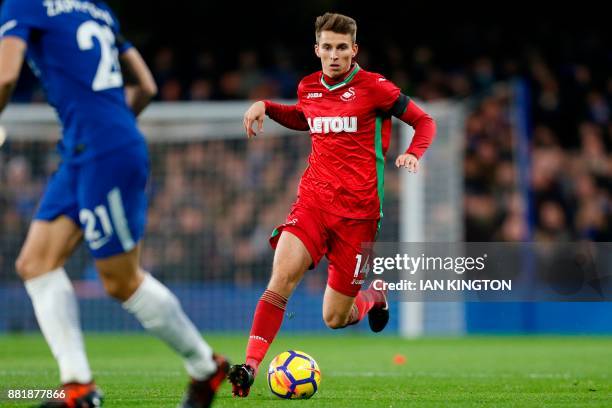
(157, 309)
(112, 199)
(337, 308)
(295, 253)
(51, 239)
(40, 264)
(344, 303)
(160, 313)
(291, 260)
(340, 310)
(120, 274)
(48, 246)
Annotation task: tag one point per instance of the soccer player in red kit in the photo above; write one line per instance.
(348, 113)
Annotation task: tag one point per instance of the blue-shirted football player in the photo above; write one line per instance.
(98, 193)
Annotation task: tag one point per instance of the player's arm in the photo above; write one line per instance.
(290, 116)
(138, 94)
(12, 54)
(424, 126)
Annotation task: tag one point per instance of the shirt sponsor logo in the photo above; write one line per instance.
(348, 95)
(333, 124)
(312, 95)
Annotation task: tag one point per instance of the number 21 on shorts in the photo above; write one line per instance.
(96, 238)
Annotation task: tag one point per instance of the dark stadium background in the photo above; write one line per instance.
(204, 51)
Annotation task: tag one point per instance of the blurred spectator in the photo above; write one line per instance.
(200, 90)
(171, 90)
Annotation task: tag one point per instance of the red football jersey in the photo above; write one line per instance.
(350, 129)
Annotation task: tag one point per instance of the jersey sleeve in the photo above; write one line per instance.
(424, 128)
(122, 43)
(19, 17)
(289, 116)
(384, 93)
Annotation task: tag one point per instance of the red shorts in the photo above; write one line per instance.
(337, 237)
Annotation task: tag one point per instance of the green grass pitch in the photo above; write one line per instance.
(358, 371)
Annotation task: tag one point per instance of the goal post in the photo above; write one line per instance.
(431, 210)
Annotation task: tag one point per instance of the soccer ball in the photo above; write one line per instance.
(293, 375)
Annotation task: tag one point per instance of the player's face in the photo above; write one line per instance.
(336, 52)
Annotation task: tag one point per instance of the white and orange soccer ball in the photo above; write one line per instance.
(294, 374)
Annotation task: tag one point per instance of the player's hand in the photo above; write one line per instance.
(255, 113)
(409, 161)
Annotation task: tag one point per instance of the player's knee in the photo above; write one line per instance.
(334, 321)
(115, 289)
(29, 267)
(22, 267)
(283, 282)
(119, 286)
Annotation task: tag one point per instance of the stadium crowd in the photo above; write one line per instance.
(213, 204)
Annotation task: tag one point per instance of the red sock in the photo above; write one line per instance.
(266, 323)
(364, 302)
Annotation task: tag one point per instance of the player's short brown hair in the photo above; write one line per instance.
(337, 23)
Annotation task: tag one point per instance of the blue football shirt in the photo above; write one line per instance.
(73, 47)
